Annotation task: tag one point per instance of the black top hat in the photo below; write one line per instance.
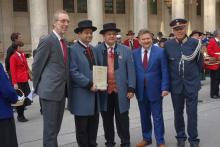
(109, 27)
(85, 24)
(179, 22)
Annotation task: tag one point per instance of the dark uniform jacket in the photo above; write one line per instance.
(183, 76)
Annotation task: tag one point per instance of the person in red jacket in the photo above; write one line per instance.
(213, 50)
(131, 42)
(20, 75)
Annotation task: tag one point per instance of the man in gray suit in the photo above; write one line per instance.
(121, 84)
(83, 100)
(50, 77)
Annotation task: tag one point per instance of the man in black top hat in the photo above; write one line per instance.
(115, 101)
(83, 99)
(185, 64)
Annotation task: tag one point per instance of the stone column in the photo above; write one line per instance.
(209, 15)
(178, 9)
(7, 22)
(166, 17)
(38, 20)
(140, 15)
(95, 13)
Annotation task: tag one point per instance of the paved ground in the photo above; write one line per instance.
(30, 133)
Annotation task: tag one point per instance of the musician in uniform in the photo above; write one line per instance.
(131, 42)
(213, 50)
(185, 63)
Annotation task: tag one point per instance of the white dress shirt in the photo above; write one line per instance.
(148, 53)
(109, 47)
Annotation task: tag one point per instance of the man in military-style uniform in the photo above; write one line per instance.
(185, 63)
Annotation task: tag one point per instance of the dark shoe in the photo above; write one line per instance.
(110, 144)
(200, 101)
(161, 145)
(181, 144)
(22, 119)
(143, 143)
(215, 97)
(194, 145)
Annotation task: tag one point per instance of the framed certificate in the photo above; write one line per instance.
(100, 77)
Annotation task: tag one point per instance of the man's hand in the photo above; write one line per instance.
(130, 95)
(15, 86)
(164, 93)
(94, 88)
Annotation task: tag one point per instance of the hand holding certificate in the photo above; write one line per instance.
(100, 77)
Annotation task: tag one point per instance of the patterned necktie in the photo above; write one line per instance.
(111, 52)
(64, 47)
(145, 61)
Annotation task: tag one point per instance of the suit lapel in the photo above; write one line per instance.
(139, 58)
(151, 57)
(58, 46)
(105, 54)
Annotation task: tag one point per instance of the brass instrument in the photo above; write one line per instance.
(208, 60)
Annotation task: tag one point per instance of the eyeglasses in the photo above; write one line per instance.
(64, 21)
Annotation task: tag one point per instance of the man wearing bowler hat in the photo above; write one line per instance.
(185, 64)
(83, 99)
(121, 83)
(131, 42)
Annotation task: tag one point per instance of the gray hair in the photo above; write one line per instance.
(57, 13)
(144, 31)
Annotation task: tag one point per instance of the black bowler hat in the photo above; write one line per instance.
(85, 24)
(130, 32)
(159, 34)
(178, 23)
(196, 32)
(109, 27)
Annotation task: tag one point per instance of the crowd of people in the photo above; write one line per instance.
(143, 65)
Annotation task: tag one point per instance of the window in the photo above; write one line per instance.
(20, 5)
(153, 7)
(82, 6)
(68, 5)
(120, 6)
(198, 7)
(109, 6)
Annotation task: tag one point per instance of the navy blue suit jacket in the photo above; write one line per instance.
(156, 74)
(190, 79)
(7, 95)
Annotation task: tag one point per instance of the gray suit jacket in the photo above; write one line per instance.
(124, 74)
(50, 73)
(81, 100)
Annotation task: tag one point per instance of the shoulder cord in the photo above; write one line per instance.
(190, 57)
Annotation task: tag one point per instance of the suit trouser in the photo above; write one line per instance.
(8, 136)
(122, 122)
(191, 100)
(52, 118)
(26, 90)
(147, 108)
(86, 130)
(215, 81)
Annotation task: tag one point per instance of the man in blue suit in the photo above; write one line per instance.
(185, 64)
(152, 84)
